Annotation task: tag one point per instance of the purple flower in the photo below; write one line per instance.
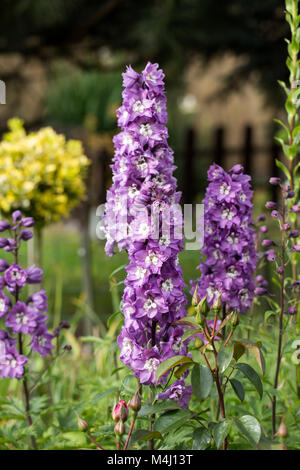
(39, 300)
(295, 209)
(271, 205)
(275, 214)
(266, 243)
(42, 342)
(15, 276)
(27, 222)
(4, 226)
(3, 242)
(21, 319)
(25, 235)
(4, 304)
(34, 275)
(294, 234)
(12, 363)
(143, 185)
(3, 265)
(17, 216)
(178, 392)
(275, 181)
(229, 256)
(296, 248)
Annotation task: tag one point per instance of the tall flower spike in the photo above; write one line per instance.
(229, 241)
(20, 318)
(143, 185)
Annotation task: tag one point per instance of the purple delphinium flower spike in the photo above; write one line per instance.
(143, 184)
(229, 240)
(20, 318)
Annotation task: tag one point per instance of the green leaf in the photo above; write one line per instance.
(238, 388)
(171, 421)
(120, 268)
(201, 439)
(188, 321)
(77, 438)
(252, 376)
(103, 394)
(250, 428)
(181, 369)
(224, 359)
(238, 350)
(220, 432)
(144, 435)
(202, 381)
(114, 316)
(170, 364)
(281, 165)
(158, 407)
(255, 351)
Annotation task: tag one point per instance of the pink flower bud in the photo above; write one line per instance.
(120, 411)
(82, 424)
(119, 428)
(282, 430)
(135, 403)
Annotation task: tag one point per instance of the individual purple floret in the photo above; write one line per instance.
(229, 240)
(143, 185)
(20, 318)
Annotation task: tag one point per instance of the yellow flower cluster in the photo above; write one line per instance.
(41, 173)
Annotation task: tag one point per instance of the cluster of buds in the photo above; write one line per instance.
(290, 237)
(120, 415)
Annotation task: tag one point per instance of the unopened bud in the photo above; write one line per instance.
(234, 320)
(203, 307)
(282, 430)
(135, 403)
(195, 297)
(120, 411)
(82, 424)
(119, 428)
(218, 304)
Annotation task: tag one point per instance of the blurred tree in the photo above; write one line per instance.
(170, 31)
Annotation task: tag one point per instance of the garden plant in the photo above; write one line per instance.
(210, 365)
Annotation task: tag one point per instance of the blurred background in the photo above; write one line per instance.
(62, 61)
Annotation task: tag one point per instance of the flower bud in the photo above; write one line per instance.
(294, 234)
(290, 195)
(120, 411)
(119, 428)
(285, 227)
(263, 229)
(275, 214)
(195, 297)
(203, 307)
(261, 218)
(292, 310)
(274, 181)
(234, 320)
(282, 430)
(296, 248)
(135, 403)
(280, 270)
(266, 243)
(260, 291)
(271, 205)
(4, 226)
(218, 304)
(82, 424)
(295, 209)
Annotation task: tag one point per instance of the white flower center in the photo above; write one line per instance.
(141, 164)
(225, 189)
(176, 346)
(227, 214)
(152, 258)
(133, 191)
(244, 295)
(127, 345)
(151, 77)
(232, 272)
(151, 364)
(164, 240)
(21, 318)
(127, 139)
(232, 239)
(2, 305)
(243, 197)
(140, 272)
(149, 305)
(138, 107)
(159, 180)
(145, 130)
(158, 107)
(167, 286)
(15, 275)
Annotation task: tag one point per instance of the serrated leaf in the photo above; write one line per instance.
(220, 432)
(201, 439)
(202, 381)
(238, 388)
(252, 376)
(250, 428)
